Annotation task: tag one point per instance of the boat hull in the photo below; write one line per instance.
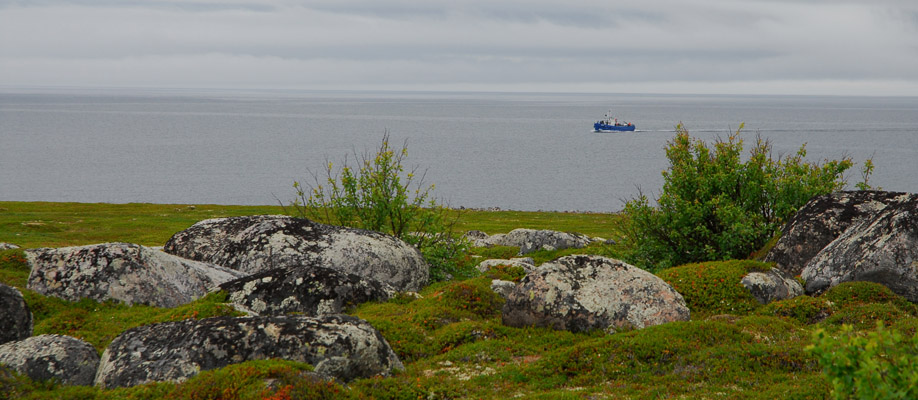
(598, 127)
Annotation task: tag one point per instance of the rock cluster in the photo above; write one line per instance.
(255, 244)
(529, 240)
(853, 236)
(582, 293)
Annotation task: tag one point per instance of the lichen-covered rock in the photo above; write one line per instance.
(309, 290)
(503, 288)
(338, 346)
(125, 272)
(582, 293)
(260, 243)
(526, 263)
(822, 220)
(8, 246)
(772, 285)
(478, 238)
(15, 316)
(66, 359)
(882, 248)
(529, 240)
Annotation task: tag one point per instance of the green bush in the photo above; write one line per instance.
(715, 206)
(879, 365)
(379, 195)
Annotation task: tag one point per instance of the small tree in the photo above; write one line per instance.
(379, 195)
(714, 206)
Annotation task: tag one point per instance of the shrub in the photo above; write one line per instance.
(879, 365)
(379, 195)
(714, 206)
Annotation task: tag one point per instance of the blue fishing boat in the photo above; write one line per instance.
(611, 124)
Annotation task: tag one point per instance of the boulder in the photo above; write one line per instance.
(309, 290)
(503, 288)
(822, 220)
(526, 263)
(529, 240)
(338, 346)
(7, 246)
(772, 285)
(67, 359)
(582, 293)
(882, 248)
(15, 317)
(260, 243)
(125, 272)
(478, 238)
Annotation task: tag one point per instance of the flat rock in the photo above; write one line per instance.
(63, 358)
(820, 221)
(8, 246)
(126, 272)
(15, 317)
(582, 293)
(526, 263)
(260, 243)
(309, 290)
(772, 285)
(529, 240)
(881, 248)
(338, 346)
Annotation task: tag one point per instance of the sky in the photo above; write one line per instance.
(809, 47)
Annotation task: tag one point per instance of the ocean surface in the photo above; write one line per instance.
(481, 150)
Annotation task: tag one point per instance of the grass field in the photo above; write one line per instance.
(452, 341)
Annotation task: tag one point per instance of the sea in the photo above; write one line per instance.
(512, 151)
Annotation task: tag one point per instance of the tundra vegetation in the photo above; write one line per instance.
(854, 341)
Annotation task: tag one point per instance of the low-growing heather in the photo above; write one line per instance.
(714, 287)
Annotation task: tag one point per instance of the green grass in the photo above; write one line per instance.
(451, 340)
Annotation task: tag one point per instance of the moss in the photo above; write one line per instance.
(865, 316)
(100, 322)
(14, 268)
(854, 293)
(803, 309)
(714, 287)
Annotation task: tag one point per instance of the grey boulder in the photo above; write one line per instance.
(772, 285)
(502, 288)
(63, 358)
(260, 243)
(8, 246)
(882, 248)
(526, 263)
(126, 272)
(582, 293)
(822, 220)
(15, 316)
(309, 290)
(529, 240)
(338, 346)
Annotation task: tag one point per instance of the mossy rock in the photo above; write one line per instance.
(714, 287)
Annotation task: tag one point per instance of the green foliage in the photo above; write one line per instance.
(100, 322)
(715, 206)
(14, 269)
(379, 195)
(879, 365)
(803, 309)
(714, 287)
(857, 293)
(866, 171)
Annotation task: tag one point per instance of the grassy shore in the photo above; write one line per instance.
(451, 340)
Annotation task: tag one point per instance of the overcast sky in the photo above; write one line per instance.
(865, 47)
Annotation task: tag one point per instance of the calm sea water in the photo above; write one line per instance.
(513, 151)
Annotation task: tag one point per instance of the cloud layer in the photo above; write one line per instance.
(712, 46)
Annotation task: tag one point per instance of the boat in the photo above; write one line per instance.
(611, 124)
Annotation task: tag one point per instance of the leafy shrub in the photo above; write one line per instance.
(714, 206)
(714, 287)
(379, 195)
(879, 365)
